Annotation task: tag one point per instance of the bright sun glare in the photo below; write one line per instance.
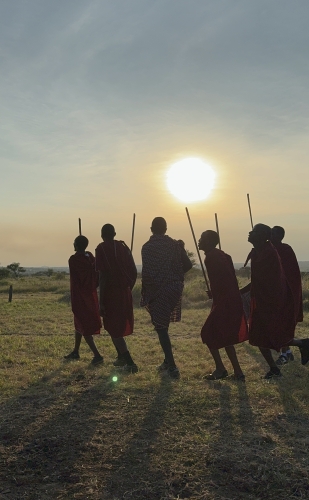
(190, 179)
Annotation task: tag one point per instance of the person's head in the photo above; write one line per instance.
(80, 243)
(158, 225)
(208, 240)
(108, 232)
(277, 234)
(259, 234)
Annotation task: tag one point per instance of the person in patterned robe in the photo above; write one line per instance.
(164, 261)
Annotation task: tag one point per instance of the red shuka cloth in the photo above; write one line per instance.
(293, 276)
(84, 297)
(226, 324)
(271, 322)
(115, 260)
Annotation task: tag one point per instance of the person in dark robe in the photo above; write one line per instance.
(293, 276)
(117, 271)
(164, 263)
(84, 299)
(226, 324)
(272, 314)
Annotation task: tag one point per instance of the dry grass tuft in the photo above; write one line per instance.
(68, 432)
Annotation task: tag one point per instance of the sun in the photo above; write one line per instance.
(190, 179)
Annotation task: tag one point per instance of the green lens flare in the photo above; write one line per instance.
(114, 379)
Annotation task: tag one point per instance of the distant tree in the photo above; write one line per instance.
(50, 271)
(60, 275)
(191, 256)
(16, 269)
(243, 272)
(4, 273)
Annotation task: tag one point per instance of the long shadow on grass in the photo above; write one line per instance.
(19, 412)
(134, 467)
(292, 424)
(47, 461)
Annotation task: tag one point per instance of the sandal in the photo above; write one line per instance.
(213, 376)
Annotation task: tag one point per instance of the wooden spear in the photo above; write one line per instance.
(132, 237)
(217, 226)
(197, 251)
(80, 226)
(248, 198)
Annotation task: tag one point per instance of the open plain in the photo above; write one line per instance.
(67, 431)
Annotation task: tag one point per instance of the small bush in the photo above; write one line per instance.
(4, 273)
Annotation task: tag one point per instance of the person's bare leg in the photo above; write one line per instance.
(303, 345)
(220, 368)
(75, 353)
(267, 355)
(122, 350)
(297, 342)
(78, 338)
(231, 352)
(93, 347)
(120, 344)
(166, 345)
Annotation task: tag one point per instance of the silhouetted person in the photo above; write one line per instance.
(164, 262)
(84, 299)
(118, 274)
(272, 316)
(293, 276)
(226, 324)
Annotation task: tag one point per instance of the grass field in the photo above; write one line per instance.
(67, 431)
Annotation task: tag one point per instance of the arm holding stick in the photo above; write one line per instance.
(198, 252)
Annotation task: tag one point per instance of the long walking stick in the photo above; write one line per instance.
(249, 256)
(248, 198)
(197, 251)
(133, 228)
(217, 226)
(80, 226)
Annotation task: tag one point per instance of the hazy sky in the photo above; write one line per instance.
(99, 98)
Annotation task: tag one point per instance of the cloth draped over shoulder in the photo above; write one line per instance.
(226, 324)
(162, 279)
(293, 276)
(272, 321)
(115, 260)
(84, 297)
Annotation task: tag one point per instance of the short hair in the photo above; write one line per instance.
(263, 230)
(108, 231)
(81, 242)
(212, 237)
(158, 225)
(280, 231)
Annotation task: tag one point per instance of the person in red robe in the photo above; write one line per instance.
(293, 276)
(84, 299)
(117, 272)
(226, 324)
(272, 316)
